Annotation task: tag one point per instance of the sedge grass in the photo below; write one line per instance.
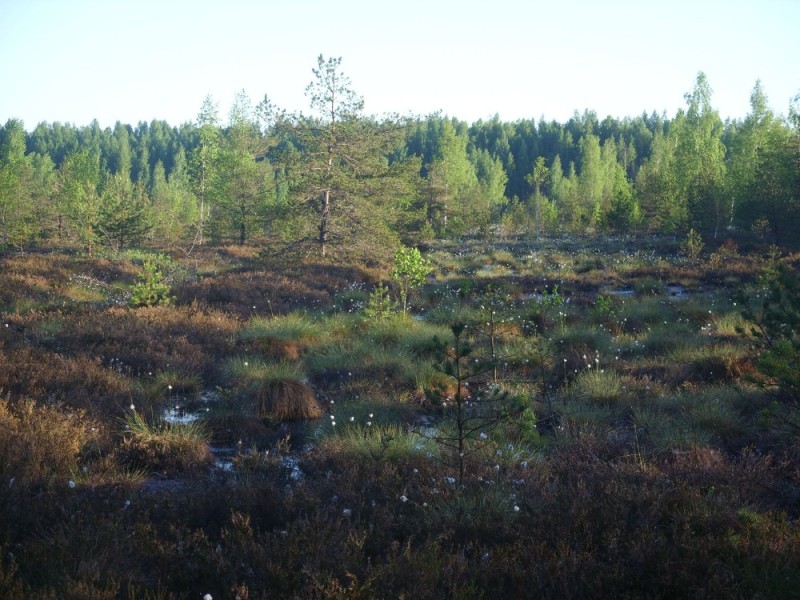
(381, 442)
(273, 390)
(286, 328)
(169, 448)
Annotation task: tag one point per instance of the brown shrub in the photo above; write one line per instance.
(231, 428)
(253, 292)
(41, 445)
(277, 290)
(278, 350)
(78, 381)
(144, 340)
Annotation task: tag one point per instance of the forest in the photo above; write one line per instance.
(330, 355)
(339, 175)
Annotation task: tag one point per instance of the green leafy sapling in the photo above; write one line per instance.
(410, 272)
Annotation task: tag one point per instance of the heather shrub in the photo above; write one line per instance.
(42, 446)
(627, 459)
(78, 380)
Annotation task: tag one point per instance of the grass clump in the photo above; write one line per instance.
(408, 335)
(273, 391)
(170, 383)
(166, 448)
(284, 337)
(604, 388)
(381, 442)
(362, 360)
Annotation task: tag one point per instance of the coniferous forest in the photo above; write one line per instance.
(325, 354)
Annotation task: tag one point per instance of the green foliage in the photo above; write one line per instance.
(774, 318)
(605, 309)
(346, 172)
(451, 180)
(469, 411)
(16, 209)
(623, 214)
(548, 310)
(379, 305)
(123, 218)
(152, 288)
(410, 272)
(80, 195)
(693, 245)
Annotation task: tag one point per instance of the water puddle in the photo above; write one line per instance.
(677, 292)
(292, 464)
(621, 293)
(183, 411)
(223, 458)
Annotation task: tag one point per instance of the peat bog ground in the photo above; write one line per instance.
(564, 419)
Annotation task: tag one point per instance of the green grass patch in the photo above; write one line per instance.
(381, 442)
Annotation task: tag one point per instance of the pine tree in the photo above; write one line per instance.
(240, 183)
(123, 218)
(451, 179)
(345, 173)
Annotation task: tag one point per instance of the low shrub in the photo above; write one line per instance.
(42, 446)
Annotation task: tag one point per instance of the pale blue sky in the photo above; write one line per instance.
(136, 60)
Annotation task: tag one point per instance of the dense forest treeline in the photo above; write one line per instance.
(337, 175)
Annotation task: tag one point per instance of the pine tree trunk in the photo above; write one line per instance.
(323, 224)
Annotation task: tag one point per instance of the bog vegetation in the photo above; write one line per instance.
(332, 356)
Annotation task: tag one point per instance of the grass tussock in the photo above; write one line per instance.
(380, 442)
(283, 337)
(274, 391)
(165, 448)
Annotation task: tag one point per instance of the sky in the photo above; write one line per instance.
(73, 61)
